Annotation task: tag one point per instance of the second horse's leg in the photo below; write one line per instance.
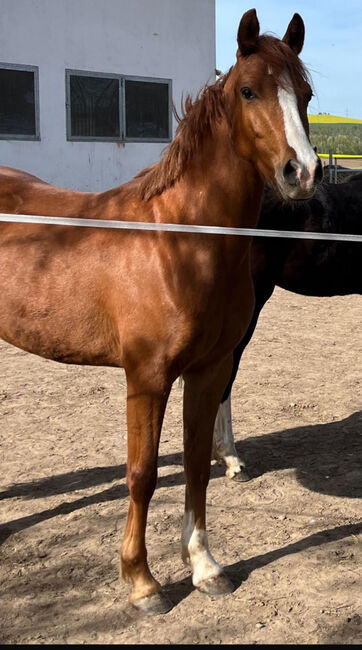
(223, 449)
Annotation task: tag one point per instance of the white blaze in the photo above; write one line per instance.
(294, 129)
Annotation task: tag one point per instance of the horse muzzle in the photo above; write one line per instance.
(297, 182)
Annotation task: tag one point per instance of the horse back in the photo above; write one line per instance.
(23, 193)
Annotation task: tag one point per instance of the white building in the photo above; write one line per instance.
(86, 85)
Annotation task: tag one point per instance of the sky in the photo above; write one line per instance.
(332, 48)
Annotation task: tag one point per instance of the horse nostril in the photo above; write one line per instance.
(290, 172)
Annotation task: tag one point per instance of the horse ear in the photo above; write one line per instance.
(248, 33)
(294, 36)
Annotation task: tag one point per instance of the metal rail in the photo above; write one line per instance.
(175, 227)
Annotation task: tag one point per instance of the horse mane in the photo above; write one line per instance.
(196, 121)
(199, 116)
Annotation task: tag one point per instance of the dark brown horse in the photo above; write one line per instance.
(162, 305)
(307, 267)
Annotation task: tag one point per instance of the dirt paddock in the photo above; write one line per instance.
(290, 539)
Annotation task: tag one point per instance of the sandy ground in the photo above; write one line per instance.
(290, 539)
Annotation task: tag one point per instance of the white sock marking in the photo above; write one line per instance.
(195, 551)
(223, 443)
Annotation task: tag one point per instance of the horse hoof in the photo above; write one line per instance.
(242, 476)
(154, 604)
(217, 586)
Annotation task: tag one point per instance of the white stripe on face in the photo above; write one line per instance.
(294, 129)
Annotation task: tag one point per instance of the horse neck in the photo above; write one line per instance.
(217, 188)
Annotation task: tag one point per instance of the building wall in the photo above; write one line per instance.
(151, 38)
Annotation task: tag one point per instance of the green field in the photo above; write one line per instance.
(342, 135)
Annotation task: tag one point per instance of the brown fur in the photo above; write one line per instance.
(159, 305)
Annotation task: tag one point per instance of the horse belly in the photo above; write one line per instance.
(69, 338)
(56, 313)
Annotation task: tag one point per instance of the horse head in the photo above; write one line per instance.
(267, 93)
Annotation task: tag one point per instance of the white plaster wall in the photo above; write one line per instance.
(153, 38)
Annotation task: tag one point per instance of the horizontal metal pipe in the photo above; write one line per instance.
(175, 227)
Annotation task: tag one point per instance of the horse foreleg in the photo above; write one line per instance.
(145, 411)
(202, 394)
(223, 448)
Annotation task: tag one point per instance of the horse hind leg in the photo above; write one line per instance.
(223, 448)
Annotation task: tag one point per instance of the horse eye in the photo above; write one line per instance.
(247, 93)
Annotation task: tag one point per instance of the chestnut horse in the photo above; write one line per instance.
(162, 305)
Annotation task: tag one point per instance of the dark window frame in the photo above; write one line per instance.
(122, 106)
(148, 80)
(35, 70)
(89, 138)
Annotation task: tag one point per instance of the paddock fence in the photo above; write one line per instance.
(176, 227)
(334, 168)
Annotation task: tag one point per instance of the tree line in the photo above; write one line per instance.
(339, 138)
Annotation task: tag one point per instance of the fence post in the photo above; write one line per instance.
(331, 167)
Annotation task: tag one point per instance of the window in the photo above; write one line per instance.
(94, 106)
(19, 102)
(147, 109)
(112, 107)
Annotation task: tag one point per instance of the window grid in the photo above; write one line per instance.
(122, 107)
(149, 80)
(35, 70)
